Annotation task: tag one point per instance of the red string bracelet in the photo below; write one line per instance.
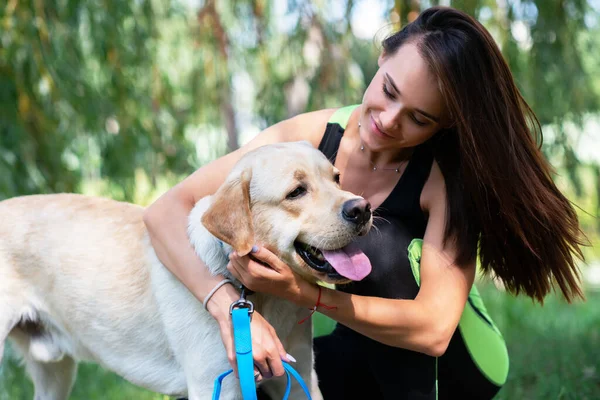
(318, 304)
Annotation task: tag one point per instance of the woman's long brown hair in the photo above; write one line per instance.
(502, 200)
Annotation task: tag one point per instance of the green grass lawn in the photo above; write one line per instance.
(554, 351)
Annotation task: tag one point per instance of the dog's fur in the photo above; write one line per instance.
(80, 281)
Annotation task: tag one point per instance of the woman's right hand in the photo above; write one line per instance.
(267, 349)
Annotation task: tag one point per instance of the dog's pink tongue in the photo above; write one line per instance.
(350, 262)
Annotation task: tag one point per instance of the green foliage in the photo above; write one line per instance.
(101, 90)
(86, 94)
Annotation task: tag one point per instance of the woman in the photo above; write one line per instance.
(443, 147)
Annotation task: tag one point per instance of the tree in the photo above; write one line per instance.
(106, 90)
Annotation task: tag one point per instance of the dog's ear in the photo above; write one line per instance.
(228, 217)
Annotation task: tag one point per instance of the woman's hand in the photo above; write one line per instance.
(268, 275)
(267, 350)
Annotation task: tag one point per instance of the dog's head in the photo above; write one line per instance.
(287, 198)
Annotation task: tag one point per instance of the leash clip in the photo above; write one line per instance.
(242, 302)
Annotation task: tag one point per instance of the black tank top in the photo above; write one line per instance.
(400, 220)
(398, 373)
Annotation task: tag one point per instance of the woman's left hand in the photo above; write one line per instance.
(275, 277)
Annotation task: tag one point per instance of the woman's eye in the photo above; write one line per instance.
(387, 93)
(299, 191)
(416, 121)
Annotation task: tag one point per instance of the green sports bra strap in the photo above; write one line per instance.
(342, 115)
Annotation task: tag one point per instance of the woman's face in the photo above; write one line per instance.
(402, 107)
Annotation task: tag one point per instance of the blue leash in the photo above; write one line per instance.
(241, 314)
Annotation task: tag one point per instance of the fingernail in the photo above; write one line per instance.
(289, 357)
(254, 249)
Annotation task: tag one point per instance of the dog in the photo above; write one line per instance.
(80, 281)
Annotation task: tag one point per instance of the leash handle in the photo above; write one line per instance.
(289, 370)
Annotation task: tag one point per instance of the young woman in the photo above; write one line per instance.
(444, 148)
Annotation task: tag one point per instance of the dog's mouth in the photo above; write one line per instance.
(347, 262)
(315, 259)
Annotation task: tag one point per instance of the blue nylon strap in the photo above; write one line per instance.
(218, 382)
(243, 352)
(289, 370)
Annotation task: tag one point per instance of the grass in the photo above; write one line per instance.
(554, 350)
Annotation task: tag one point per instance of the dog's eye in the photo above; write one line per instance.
(336, 178)
(299, 191)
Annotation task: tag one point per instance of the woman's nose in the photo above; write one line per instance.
(389, 119)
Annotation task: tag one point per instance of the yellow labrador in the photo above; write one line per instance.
(79, 280)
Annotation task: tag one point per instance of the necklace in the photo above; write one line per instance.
(375, 167)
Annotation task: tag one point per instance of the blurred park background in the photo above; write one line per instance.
(124, 98)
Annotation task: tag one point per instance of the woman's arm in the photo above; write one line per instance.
(425, 324)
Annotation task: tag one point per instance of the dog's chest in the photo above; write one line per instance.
(281, 314)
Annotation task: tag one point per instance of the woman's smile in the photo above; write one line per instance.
(377, 131)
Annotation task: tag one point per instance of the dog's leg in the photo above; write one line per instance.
(10, 300)
(203, 364)
(203, 391)
(52, 381)
(5, 327)
(52, 371)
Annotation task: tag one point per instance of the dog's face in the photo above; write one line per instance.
(287, 198)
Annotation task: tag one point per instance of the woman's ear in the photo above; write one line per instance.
(382, 58)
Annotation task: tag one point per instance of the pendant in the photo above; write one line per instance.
(362, 148)
(397, 170)
(374, 168)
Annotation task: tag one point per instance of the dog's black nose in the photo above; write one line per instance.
(357, 211)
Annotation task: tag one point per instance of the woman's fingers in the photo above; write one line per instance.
(266, 348)
(261, 362)
(250, 273)
(259, 270)
(265, 256)
(275, 362)
(283, 355)
(268, 362)
(257, 375)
